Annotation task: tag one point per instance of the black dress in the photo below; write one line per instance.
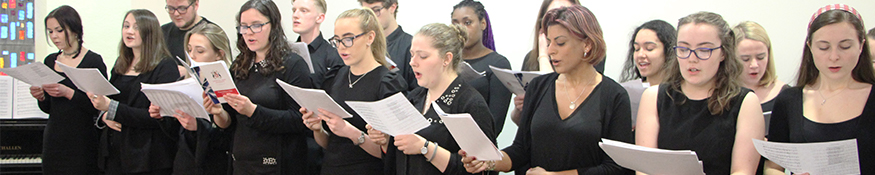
(144, 145)
(496, 95)
(686, 124)
(398, 45)
(70, 138)
(545, 140)
(341, 155)
(790, 126)
(273, 139)
(459, 97)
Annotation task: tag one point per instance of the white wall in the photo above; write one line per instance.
(785, 20)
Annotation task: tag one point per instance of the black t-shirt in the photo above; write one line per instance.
(273, 139)
(175, 38)
(341, 155)
(545, 140)
(324, 57)
(70, 138)
(497, 96)
(459, 97)
(686, 124)
(398, 46)
(788, 125)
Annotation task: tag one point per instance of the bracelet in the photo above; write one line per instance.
(433, 152)
(491, 166)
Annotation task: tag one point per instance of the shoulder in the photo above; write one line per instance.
(543, 79)
(389, 77)
(167, 27)
(50, 59)
(612, 87)
(417, 94)
(789, 94)
(498, 60)
(92, 56)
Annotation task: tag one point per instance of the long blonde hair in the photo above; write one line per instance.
(368, 23)
(217, 39)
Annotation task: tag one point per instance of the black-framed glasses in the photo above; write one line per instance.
(180, 9)
(377, 10)
(254, 28)
(701, 53)
(347, 41)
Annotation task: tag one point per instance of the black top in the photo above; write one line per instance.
(324, 57)
(398, 46)
(273, 139)
(598, 67)
(789, 125)
(459, 97)
(497, 96)
(767, 109)
(204, 151)
(555, 144)
(686, 124)
(144, 144)
(175, 38)
(341, 155)
(70, 138)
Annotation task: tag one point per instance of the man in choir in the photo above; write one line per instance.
(183, 16)
(307, 16)
(398, 41)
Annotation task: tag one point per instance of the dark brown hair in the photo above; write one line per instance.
(278, 45)
(69, 20)
(726, 84)
(532, 63)
(581, 23)
(386, 4)
(153, 48)
(862, 72)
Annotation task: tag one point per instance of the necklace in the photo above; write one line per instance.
(572, 105)
(349, 77)
(69, 54)
(820, 91)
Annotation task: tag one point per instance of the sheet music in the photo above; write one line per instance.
(301, 49)
(89, 80)
(217, 78)
(468, 73)
(193, 72)
(836, 157)
(652, 160)
(36, 74)
(182, 95)
(515, 81)
(393, 115)
(6, 91)
(467, 133)
(313, 99)
(25, 106)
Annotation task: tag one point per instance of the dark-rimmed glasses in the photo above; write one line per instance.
(346, 41)
(180, 9)
(701, 53)
(254, 28)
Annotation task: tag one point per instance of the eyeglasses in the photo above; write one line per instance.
(701, 53)
(377, 10)
(254, 28)
(347, 41)
(180, 9)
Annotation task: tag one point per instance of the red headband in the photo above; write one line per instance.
(843, 7)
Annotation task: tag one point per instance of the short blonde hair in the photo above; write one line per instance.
(753, 31)
(319, 3)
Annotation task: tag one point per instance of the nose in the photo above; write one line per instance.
(551, 49)
(640, 54)
(413, 62)
(754, 64)
(834, 55)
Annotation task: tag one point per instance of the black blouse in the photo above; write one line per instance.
(70, 138)
(273, 139)
(788, 125)
(144, 144)
(459, 97)
(341, 155)
(545, 140)
(686, 124)
(398, 45)
(497, 96)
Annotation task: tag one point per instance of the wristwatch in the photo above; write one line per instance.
(424, 149)
(361, 139)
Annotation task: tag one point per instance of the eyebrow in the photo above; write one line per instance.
(557, 37)
(700, 44)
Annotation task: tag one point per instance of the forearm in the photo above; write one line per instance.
(321, 138)
(223, 119)
(441, 157)
(771, 168)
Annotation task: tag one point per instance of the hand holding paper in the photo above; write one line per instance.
(184, 95)
(467, 133)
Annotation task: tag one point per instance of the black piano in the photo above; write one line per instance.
(21, 145)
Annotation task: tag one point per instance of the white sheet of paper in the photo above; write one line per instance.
(392, 63)
(35, 74)
(217, 77)
(393, 115)
(6, 91)
(301, 49)
(89, 80)
(25, 106)
(184, 95)
(515, 81)
(467, 133)
(652, 160)
(313, 99)
(836, 157)
(468, 73)
(203, 81)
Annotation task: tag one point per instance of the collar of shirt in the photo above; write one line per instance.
(315, 44)
(395, 35)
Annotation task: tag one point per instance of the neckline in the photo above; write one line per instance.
(582, 103)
